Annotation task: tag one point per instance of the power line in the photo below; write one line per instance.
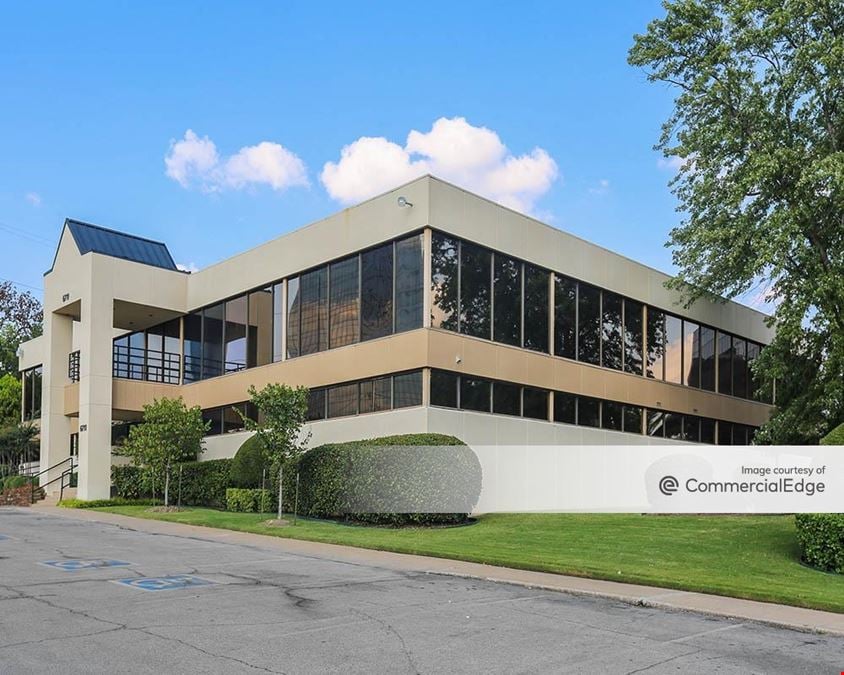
(19, 283)
(11, 229)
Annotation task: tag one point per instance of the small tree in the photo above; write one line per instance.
(10, 400)
(282, 412)
(170, 433)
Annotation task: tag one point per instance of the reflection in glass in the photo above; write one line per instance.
(444, 282)
(278, 319)
(739, 369)
(507, 300)
(655, 344)
(752, 381)
(612, 415)
(344, 297)
(294, 318)
(444, 389)
(193, 347)
(343, 400)
(673, 349)
(633, 419)
(407, 389)
(475, 282)
(313, 310)
(674, 426)
(474, 394)
(611, 332)
(633, 337)
(565, 316)
(506, 399)
(656, 423)
(409, 282)
(565, 407)
(376, 293)
(235, 334)
(589, 325)
(725, 363)
(691, 428)
(260, 327)
(691, 354)
(316, 404)
(536, 308)
(588, 411)
(707, 358)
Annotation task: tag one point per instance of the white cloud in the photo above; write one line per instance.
(674, 163)
(601, 188)
(187, 267)
(33, 198)
(472, 157)
(195, 162)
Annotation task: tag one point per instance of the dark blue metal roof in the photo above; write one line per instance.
(119, 245)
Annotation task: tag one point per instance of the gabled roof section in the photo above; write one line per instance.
(93, 238)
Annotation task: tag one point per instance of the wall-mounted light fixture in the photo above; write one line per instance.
(402, 202)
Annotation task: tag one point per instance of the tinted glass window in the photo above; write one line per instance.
(725, 363)
(707, 430)
(725, 433)
(535, 403)
(474, 394)
(565, 316)
(673, 349)
(235, 334)
(215, 417)
(343, 400)
(260, 328)
(633, 336)
(294, 314)
(155, 348)
(444, 283)
(740, 434)
(739, 369)
(655, 344)
(376, 394)
(475, 282)
(691, 428)
(565, 407)
(212, 342)
(588, 411)
(612, 416)
(409, 282)
(656, 423)
(691, 354)
(589, 325)
(611, 331)
(313, 298)
(752, 384)
(707, 358)
(316, 404)
(507, 299)
(376, 292)
(278, 320)
(632, 419)
(343, 303)
(232, 421)
(193, 347)
(506, 399)
(536, 308)
(444, 389)
(674, 426)
(137, 345)
(407, 389)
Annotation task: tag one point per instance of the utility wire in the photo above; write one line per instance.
(18, 232)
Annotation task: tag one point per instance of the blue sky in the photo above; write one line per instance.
(93, 95)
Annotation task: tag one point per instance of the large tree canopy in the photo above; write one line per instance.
(758, 124)
(20, 320)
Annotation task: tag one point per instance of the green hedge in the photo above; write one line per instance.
(821, 537)
(834, 437)
(334, 478)
(11, 482)
(247, 468)
(203, 483)
(249, 500)
(99, 503)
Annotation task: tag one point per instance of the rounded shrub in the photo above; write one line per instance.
(414, 479)
(821, 538)
(11, 482)
(247, 466)
(834, 437)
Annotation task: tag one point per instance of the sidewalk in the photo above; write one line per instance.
(645, 596)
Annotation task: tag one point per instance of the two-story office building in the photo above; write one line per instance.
(426, 309)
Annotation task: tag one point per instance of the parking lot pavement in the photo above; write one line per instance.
(89, 597)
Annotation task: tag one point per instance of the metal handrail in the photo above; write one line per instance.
(41, 473)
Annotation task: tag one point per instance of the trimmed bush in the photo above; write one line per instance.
(247, 468)
(834, 437)
(345, 480)
(248, 500)
(203, 483)
(99, 503)
(11, 482)
(821, 537)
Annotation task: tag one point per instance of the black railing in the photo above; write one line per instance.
(73, 366)
(68, 467)
(199, 368)
(137, 363)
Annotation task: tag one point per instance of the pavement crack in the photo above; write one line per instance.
(387, 626)
(666, 660)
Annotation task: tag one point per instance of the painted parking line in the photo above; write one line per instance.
(172, 582)
(74, 565)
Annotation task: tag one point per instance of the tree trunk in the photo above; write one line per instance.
(280, 477)
(167, 485)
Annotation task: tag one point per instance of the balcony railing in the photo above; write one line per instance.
(73, 366)
(136, 363)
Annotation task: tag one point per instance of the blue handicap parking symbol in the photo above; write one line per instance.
(168, 583)
(3, 537)
(75, 565)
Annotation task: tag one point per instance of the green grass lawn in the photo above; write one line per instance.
(753, 557)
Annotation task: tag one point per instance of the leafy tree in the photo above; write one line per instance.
(758, 125)
(282, 412)
(170, 433)
(16, 446)
(10, 400)
(20, 320)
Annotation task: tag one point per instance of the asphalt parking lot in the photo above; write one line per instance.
(87, 597)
